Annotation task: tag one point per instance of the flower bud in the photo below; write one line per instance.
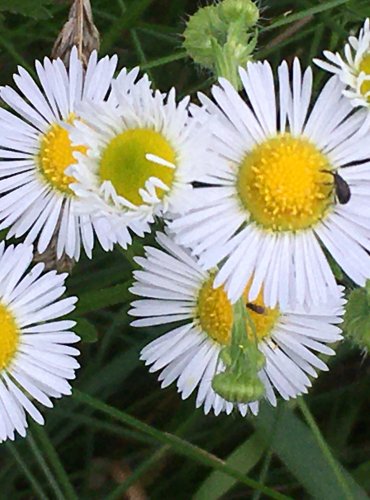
(222, 37)
(237, 388)
(240, 11)
(357, 317)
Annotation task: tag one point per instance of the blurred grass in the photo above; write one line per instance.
(123, 437)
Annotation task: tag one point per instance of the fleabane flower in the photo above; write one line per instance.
(289, 187)
(354, 69)
(176, 289)
(143, 152)
(36, 149)
(36, 360)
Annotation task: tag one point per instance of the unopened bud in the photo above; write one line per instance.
(238, 389)
(357, 317)
(223, 36)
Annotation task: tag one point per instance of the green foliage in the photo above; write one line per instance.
(38, 9)
(121, 430)
(86, 330)
(357, 317)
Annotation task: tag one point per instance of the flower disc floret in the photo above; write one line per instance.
(55, 155)
(126, 164)
(283, 184)
(9, 337)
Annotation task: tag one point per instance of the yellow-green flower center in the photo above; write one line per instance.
(215, 314)
(365, 68)
(132, 158)
(55, 155)
(9, 337)
(282, 183)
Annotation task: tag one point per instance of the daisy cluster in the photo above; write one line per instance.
(261, 193)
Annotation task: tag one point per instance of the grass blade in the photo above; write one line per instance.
(179, 445)
(55, 462)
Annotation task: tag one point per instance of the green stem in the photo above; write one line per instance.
(324, 447)
(161, 61)
(140, 52)
(264, 472)
(55, 462)
(27, 472)
(179, 445)
(44, 467)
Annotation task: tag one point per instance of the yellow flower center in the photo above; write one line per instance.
(9, 337)
(282, 184)
(264, 318)
(55, 155)
(126, 165)
(365, 68)
(215, 314)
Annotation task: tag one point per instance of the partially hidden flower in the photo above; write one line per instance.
(175, 288)
(354, 68)
(36, 149)
(36, 360)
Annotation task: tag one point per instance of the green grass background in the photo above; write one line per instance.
(120, 436)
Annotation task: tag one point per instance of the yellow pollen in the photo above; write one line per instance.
(9, 337)
(365, 68)
(264, 318)
(55, 155)
(124, 162)
(282, 184)
(215, 314)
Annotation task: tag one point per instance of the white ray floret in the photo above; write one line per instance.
(170, 283)
(36, 360)
(147, 133)
(274, 229)
(35, 150)
(354, 68)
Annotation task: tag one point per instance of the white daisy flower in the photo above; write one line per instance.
(36, 361)
(35, 150)
(289, 187)
(354, 69)
(175, 288)
(143, 153)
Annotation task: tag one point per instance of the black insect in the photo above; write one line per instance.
(342, 190)
(255, 308)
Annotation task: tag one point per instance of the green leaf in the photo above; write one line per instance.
(86, 330)
(298, 449)
(242, 459)
(38, 9)
(98, 299)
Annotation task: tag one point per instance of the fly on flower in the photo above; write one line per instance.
(354, 69)
(36, 360)
(36, 149)
(275, 204)
(174, 288)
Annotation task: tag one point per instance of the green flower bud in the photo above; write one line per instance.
(222, 37)
(238, 389)
(357, 317)
(240, 11)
